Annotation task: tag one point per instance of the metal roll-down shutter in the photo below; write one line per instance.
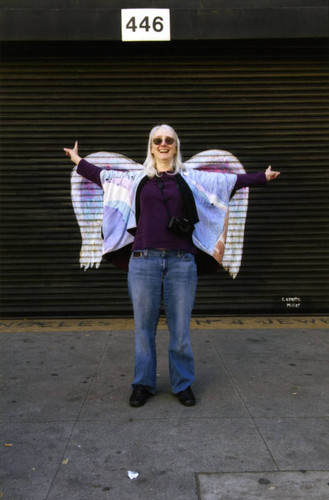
(265, 102)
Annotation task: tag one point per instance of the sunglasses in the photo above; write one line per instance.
(168, 140)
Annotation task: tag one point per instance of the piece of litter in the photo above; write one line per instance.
(132, 474)
(66, 461)
(8, 445)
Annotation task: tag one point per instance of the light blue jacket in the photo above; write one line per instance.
(113, 207)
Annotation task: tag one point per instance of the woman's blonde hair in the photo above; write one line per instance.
(150, 165)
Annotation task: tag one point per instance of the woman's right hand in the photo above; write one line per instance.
(73, 153)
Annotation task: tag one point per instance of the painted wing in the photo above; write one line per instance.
(87, 200)
(216, 160)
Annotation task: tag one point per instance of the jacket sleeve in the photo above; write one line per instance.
(90, 172)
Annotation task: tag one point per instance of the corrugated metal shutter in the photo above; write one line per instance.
(266, 102)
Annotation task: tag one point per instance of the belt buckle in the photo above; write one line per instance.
(137, 254)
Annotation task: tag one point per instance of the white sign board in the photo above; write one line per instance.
(145, 25)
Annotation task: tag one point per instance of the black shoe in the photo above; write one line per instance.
(186, 397)
(139, 396)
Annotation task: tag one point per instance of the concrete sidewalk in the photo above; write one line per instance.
(260, 429)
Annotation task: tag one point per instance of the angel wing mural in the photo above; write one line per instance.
(90, 207)
(88, 204)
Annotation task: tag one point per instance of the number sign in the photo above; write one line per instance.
(145, 25)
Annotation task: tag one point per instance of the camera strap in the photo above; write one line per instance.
(187, 198)
(160, 185)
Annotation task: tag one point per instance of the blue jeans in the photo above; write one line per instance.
(170, 275)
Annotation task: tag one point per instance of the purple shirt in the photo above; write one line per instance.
(152, 227)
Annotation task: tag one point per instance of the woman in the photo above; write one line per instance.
(162, 265)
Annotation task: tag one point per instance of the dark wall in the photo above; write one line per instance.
(265, 102)
(190, 19)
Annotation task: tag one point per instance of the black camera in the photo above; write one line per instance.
(181, 227)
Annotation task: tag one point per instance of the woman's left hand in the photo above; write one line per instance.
(271, 175)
